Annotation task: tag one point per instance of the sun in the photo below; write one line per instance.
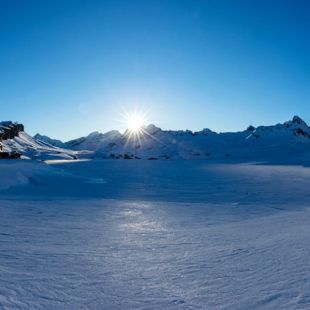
(135, 122)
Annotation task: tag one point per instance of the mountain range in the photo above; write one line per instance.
(281, 142)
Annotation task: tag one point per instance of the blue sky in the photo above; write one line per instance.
(70, 67)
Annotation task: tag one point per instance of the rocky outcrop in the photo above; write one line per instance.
(9, 130)
(8, 155)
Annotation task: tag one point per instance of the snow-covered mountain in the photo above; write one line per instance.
(290, 140)
(49, 141)
(15, 143)
(95, 141)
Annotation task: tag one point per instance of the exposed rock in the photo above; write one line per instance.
(298, 120)
(9, 155)
(250, 128)
(127, 156)
(9, 130)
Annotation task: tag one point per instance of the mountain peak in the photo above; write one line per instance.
(94, 134)
(151, 129)
(48, 140)
(297, 120)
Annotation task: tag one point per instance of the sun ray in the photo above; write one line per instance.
(134, 122)
(136, 131)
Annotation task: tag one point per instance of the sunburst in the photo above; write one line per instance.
(135, 122)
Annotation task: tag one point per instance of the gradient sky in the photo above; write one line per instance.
(70, 67)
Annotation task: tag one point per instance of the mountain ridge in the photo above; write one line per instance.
(284, 141)
(290, 138)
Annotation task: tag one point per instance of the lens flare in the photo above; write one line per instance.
(135, 122)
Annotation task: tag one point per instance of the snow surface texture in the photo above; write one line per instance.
(154, 235)
(287, 142)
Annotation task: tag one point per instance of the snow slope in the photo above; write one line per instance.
(154, 235)
(24, 172)
(36, 149)
(49, 141)
(94, 141)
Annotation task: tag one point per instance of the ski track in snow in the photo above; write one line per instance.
(154, 235)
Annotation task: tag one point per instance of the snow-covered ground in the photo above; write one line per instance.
(117, 234)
